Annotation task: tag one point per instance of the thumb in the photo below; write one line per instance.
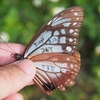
(15, 76)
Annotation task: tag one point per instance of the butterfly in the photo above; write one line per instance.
(54, 51)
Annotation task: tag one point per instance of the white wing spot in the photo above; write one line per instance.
(66, 24)
(55, 18)
(56, 32)
(49, 22)
(75, 13)
(68, 48)
(74, 23)
(68, 59)
(71, 66)
(71, 31)
(68, 80)
(75, 65)
(63, 40)
(75, 39)
(70, 40)
(75, 33)
(73, 46)
(75, 42)
(72, 10)
(63, 89)
(72, 72)
(71, 83)
(77, 18)
(76, 30)
(75, 69)
(63, 31)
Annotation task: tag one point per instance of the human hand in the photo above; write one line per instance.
(14, 76)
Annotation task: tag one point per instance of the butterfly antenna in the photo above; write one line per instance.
(5, 50)
(7, 45)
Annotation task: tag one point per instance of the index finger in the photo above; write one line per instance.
(7, 51)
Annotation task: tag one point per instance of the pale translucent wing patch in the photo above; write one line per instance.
(59, 35)
(43, 37)
(58, 70)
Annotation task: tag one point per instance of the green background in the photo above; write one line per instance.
(21, 19)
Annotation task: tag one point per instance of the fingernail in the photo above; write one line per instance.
(27, 66)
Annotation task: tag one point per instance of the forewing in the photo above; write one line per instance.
(59, 35)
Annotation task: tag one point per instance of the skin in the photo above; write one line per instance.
(14, 75)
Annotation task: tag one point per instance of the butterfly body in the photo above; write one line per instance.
(54, 51)
(18, 56)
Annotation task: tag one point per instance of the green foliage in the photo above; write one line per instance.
(22, 19)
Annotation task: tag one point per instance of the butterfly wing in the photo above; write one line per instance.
(59, 35)
(54, 50)
(55, 70)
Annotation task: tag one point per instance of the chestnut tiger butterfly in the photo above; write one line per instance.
(54, 51)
